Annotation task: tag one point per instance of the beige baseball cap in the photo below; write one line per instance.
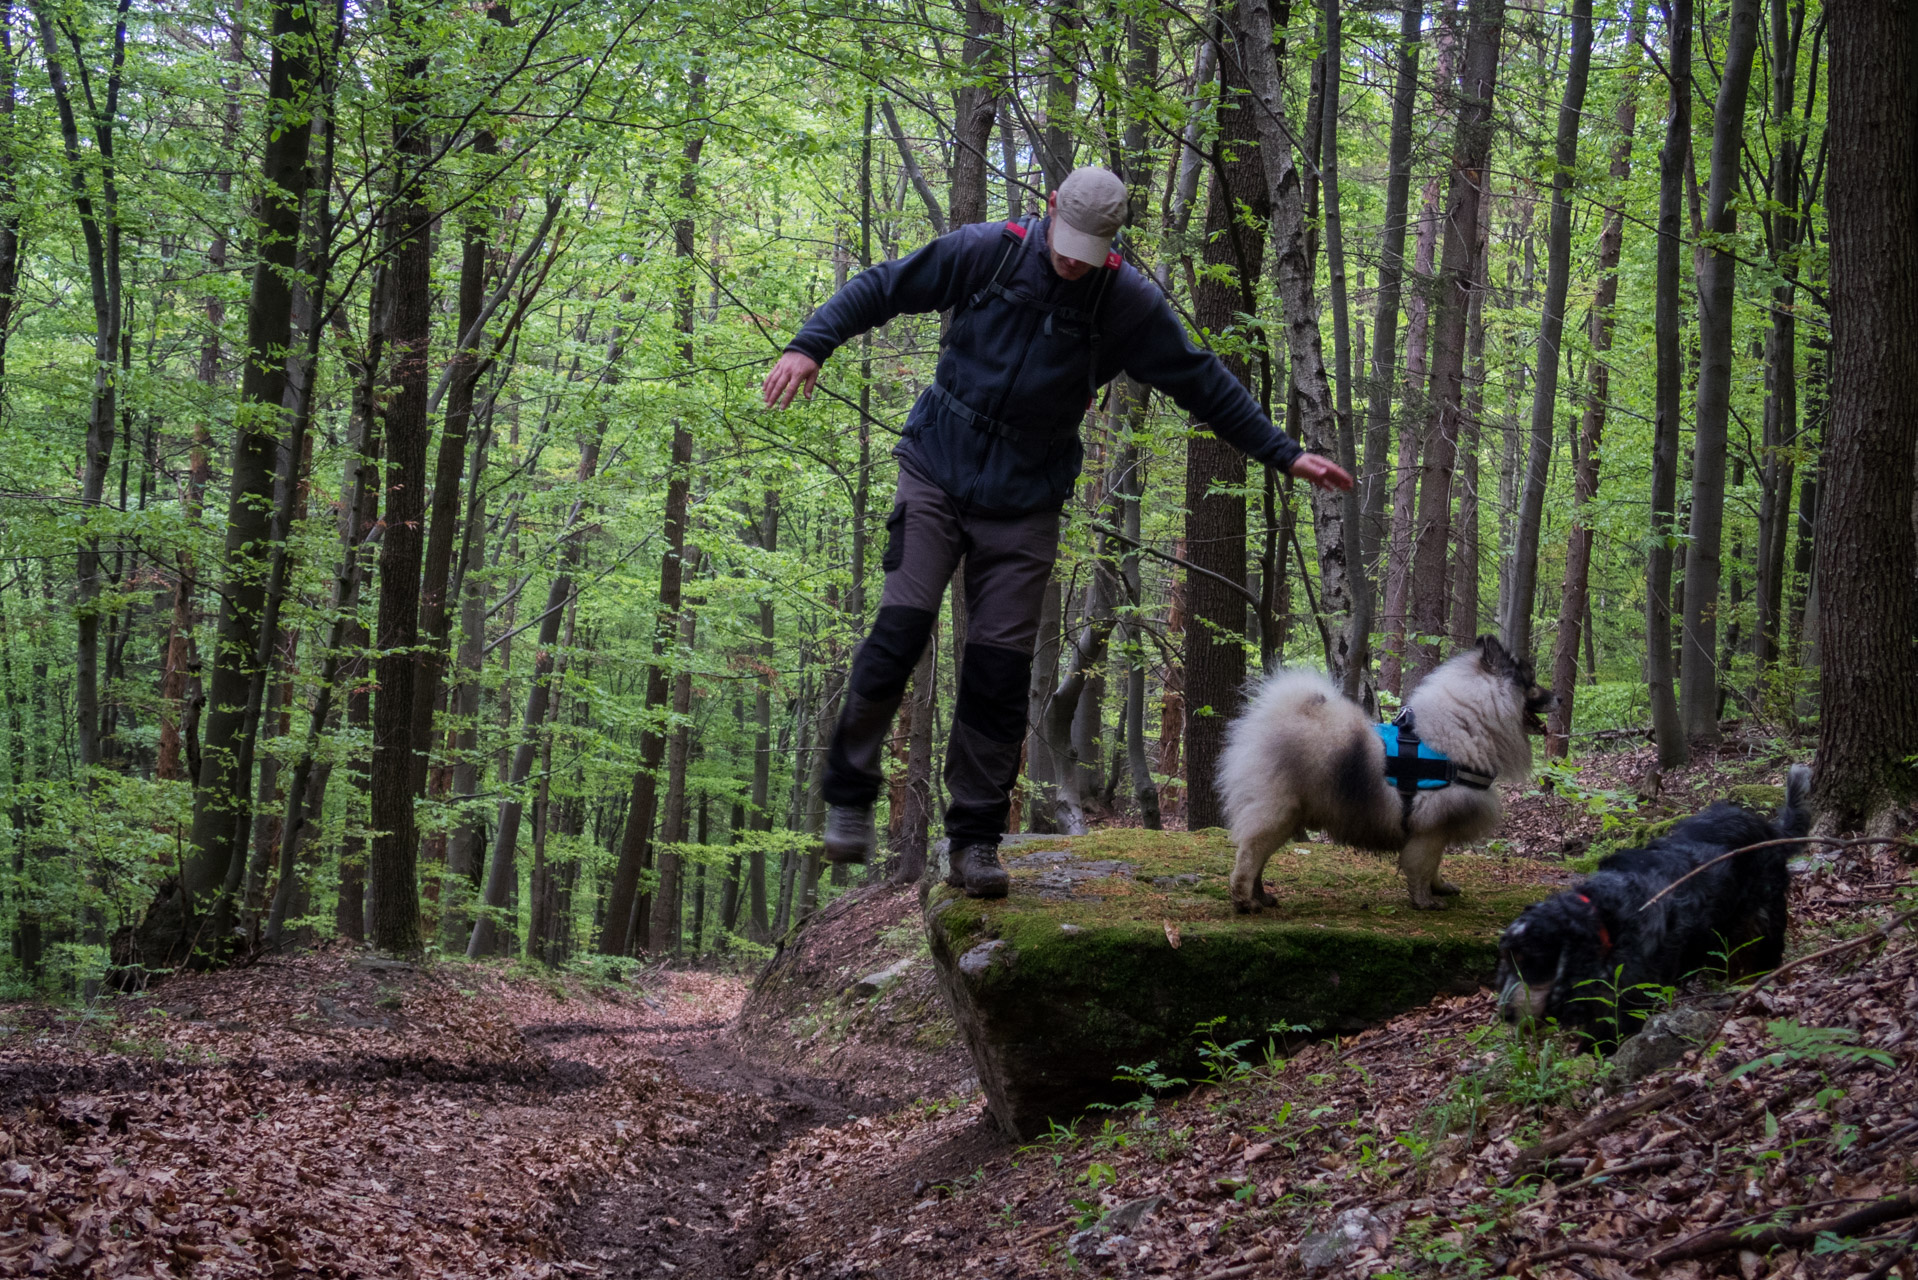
(1092, 208)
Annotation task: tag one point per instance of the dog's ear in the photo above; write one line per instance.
(1492, 656)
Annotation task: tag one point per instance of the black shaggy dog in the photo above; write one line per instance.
(1594, 956)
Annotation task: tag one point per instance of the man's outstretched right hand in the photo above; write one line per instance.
(795, 374)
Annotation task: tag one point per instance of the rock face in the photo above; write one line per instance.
(1114, 948)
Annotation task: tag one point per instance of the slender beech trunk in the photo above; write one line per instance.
(1374, 477)
(1868, 545)
(759, 927)
(1355, 658)
(222, 780)
(10, 161)
(502, 873)
(1485, 26)
(1698, 663)
(1673, 750)
(976, 107)
(622, 932)
(1575, 599)
(1215, 471)
(1327, 430)
(393, 882)
(1785, 235)
(92, 182)
(667, 913)
(1418, 330)
(1517, 623)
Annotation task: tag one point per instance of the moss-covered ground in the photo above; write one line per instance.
(1182, 877)
(1113, 947)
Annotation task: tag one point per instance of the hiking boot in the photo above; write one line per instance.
(976, 869)
(849, 835)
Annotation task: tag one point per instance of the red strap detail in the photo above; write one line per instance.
(1604, 934)
(1114, 260)
(1017, 229)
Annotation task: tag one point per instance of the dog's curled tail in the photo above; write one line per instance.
(1794, 819)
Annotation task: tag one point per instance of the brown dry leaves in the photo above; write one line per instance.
(1249, 1169)
(306, 1117)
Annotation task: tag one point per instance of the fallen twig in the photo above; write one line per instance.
(1649, 1164)
(1831, 841)
(1538, 1153)
(1721, 1240)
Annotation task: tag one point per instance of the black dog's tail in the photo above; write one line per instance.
(1794, 819)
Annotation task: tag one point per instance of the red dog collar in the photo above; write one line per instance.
(1604, 934)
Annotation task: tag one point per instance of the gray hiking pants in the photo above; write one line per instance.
(1007, 564)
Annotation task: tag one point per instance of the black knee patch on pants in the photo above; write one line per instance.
(992, 691)
(891, 651)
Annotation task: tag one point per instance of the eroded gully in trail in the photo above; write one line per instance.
(682, 1205)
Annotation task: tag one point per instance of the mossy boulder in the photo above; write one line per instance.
(1112, 948)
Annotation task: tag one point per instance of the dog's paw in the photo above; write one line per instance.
(1246, 908)
(1428, 903)
(1446, 889)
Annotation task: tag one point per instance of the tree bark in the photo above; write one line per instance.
(977, 107)
(1673, 750)
(1327, 426)
(1458, 270)
(1517, 623)
(394, 913)
(1374, 478)
(222, 782)
(1215, 471)
(634, 853)
(99, 215)
(1868, 547)
(1698, 662)
(1575, 599)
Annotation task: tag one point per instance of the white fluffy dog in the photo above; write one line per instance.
(1301, 757)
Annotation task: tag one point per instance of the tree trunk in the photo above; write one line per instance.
(635, 849)
(977, 106)
(1575, 599)
(1398, 560)
(394, 915)
(99, 215)
(502, 874)
(1673, 750)
(1868, 546)
(1376, 474)
(665, 925)
(1327, 427)
(1457, 272)
(1215, 471)
(221, 784)
(1698, 668)
(1517, 623)
(759, 927)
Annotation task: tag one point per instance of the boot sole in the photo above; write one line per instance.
(998, 892)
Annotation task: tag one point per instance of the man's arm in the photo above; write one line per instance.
(1159, 354)
(936, 277)
(932, 278)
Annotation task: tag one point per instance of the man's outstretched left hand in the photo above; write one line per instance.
(1323, 472)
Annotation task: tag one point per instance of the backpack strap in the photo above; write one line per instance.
(1014, 234)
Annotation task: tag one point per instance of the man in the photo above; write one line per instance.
(1043, 315)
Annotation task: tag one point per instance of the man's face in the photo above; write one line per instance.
(1066, 268)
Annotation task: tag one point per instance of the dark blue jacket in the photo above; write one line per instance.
(999, 429)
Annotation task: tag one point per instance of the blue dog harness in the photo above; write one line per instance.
(1412, 767)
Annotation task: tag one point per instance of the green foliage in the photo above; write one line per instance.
(1799, 1043)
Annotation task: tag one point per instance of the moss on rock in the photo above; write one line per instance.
(1113, 947)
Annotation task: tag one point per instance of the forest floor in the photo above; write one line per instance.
(332, 1114)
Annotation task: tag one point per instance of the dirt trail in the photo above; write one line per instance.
(686, 1209)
